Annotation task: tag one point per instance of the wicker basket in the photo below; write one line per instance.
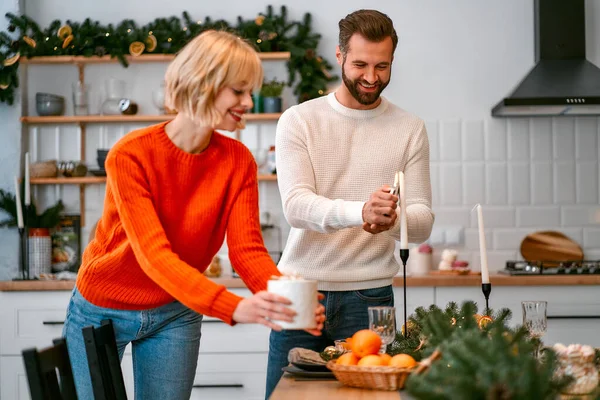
(380, 378)
(43, 169)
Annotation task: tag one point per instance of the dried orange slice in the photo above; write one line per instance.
(483, 321)
(64, 32)
(136, 48)
(10, 61)
(67, 41)
(151, 43)
(29, 41)
(3, 86)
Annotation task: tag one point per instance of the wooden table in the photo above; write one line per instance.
(290, 388)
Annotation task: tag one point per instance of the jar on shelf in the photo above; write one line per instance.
(115, 91)
(577, 361)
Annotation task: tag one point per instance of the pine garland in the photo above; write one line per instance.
(486, 361)
(268, 31)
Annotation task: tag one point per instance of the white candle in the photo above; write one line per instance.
(27, 183)
(485, 274)
(18, 201)
(403, 226)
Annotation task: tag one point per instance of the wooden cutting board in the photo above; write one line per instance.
(550, 246)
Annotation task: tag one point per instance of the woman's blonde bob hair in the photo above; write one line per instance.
(210, 62)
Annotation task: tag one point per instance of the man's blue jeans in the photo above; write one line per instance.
(346, 313)
(165, 344)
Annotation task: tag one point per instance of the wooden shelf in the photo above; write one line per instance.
(144, 58)
(103, 119)
(89, 180)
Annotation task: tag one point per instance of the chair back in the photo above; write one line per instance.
(49, 372)
(103, 362)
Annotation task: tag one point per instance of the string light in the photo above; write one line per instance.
(107, 34)
(185, 28)
(169, 39)
(128, 30)
(258, 41)
(47, 39)
(150, 33)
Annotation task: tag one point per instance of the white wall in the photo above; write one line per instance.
(10, 150)
(455, 60)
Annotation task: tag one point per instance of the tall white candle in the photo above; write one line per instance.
(403, 226)
(485, 274)
(27, 183)
(18, 201)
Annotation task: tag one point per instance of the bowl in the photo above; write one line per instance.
(47, 104)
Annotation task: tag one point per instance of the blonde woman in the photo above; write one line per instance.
(173, 192)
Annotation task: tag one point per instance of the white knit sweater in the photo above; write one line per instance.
(330, 159)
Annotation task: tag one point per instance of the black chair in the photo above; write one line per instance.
(49, 372)
(103, 361)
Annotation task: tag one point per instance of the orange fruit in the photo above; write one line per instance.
(136, 48)
(385, 358)
(347, 359)
(151, 43)
(365, 342)
(371, 360)
(402, 361)
(64, 32)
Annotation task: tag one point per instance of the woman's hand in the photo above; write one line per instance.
(264, 307)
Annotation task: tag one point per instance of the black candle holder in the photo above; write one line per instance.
(404, 258)
(486, 288)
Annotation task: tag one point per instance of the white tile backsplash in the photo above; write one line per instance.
(563, 130)
(587, 183)
(541, 183)
(538, 216)
(518, 139)
(528, 174)
(450, 139)
(496, 185)
(586, 145)
(564, 183)
(519, 185)
(541, 139)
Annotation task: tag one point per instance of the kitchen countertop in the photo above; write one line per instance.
(290, 388)
(416, 281)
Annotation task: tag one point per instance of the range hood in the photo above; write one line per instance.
(563, 81)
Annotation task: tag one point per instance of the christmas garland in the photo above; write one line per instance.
(268, 31)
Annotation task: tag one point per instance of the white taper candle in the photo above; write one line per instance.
(27, 182)
(403, 226)
(485, 274)
(18, 201)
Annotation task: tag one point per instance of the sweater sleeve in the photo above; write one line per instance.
(419, 215)
(302, 206)
(247, 252)
(133, 199)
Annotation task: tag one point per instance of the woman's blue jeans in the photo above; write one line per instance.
(346, 313)
(164, 341)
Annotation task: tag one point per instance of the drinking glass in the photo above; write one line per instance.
(81, 92)
(535, 320)
(382, 320)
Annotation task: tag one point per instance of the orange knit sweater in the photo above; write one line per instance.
(166, 213)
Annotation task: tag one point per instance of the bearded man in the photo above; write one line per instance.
(335, 157)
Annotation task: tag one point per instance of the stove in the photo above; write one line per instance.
(585, 267)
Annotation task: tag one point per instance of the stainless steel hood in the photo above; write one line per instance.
(563, 81)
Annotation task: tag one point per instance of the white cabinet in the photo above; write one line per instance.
(573, 311)
(232, 363)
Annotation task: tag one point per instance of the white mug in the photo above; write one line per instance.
(303, 295)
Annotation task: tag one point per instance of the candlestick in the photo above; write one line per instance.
(27, 196)
(403, 225)
(18, 201)
(404, 258)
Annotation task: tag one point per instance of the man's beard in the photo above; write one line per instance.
(366, 99)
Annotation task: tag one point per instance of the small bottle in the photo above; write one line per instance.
(271, 167)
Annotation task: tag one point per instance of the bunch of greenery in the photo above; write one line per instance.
(48, 219)
(268, 31)
(487, 361)
(272, 88)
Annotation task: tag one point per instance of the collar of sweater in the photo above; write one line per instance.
(354, 113)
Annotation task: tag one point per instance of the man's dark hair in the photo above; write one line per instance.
(373, 25)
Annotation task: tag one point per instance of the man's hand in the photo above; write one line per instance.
(379, 213)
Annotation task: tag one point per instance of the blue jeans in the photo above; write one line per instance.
(165, 342)
(346, 313)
